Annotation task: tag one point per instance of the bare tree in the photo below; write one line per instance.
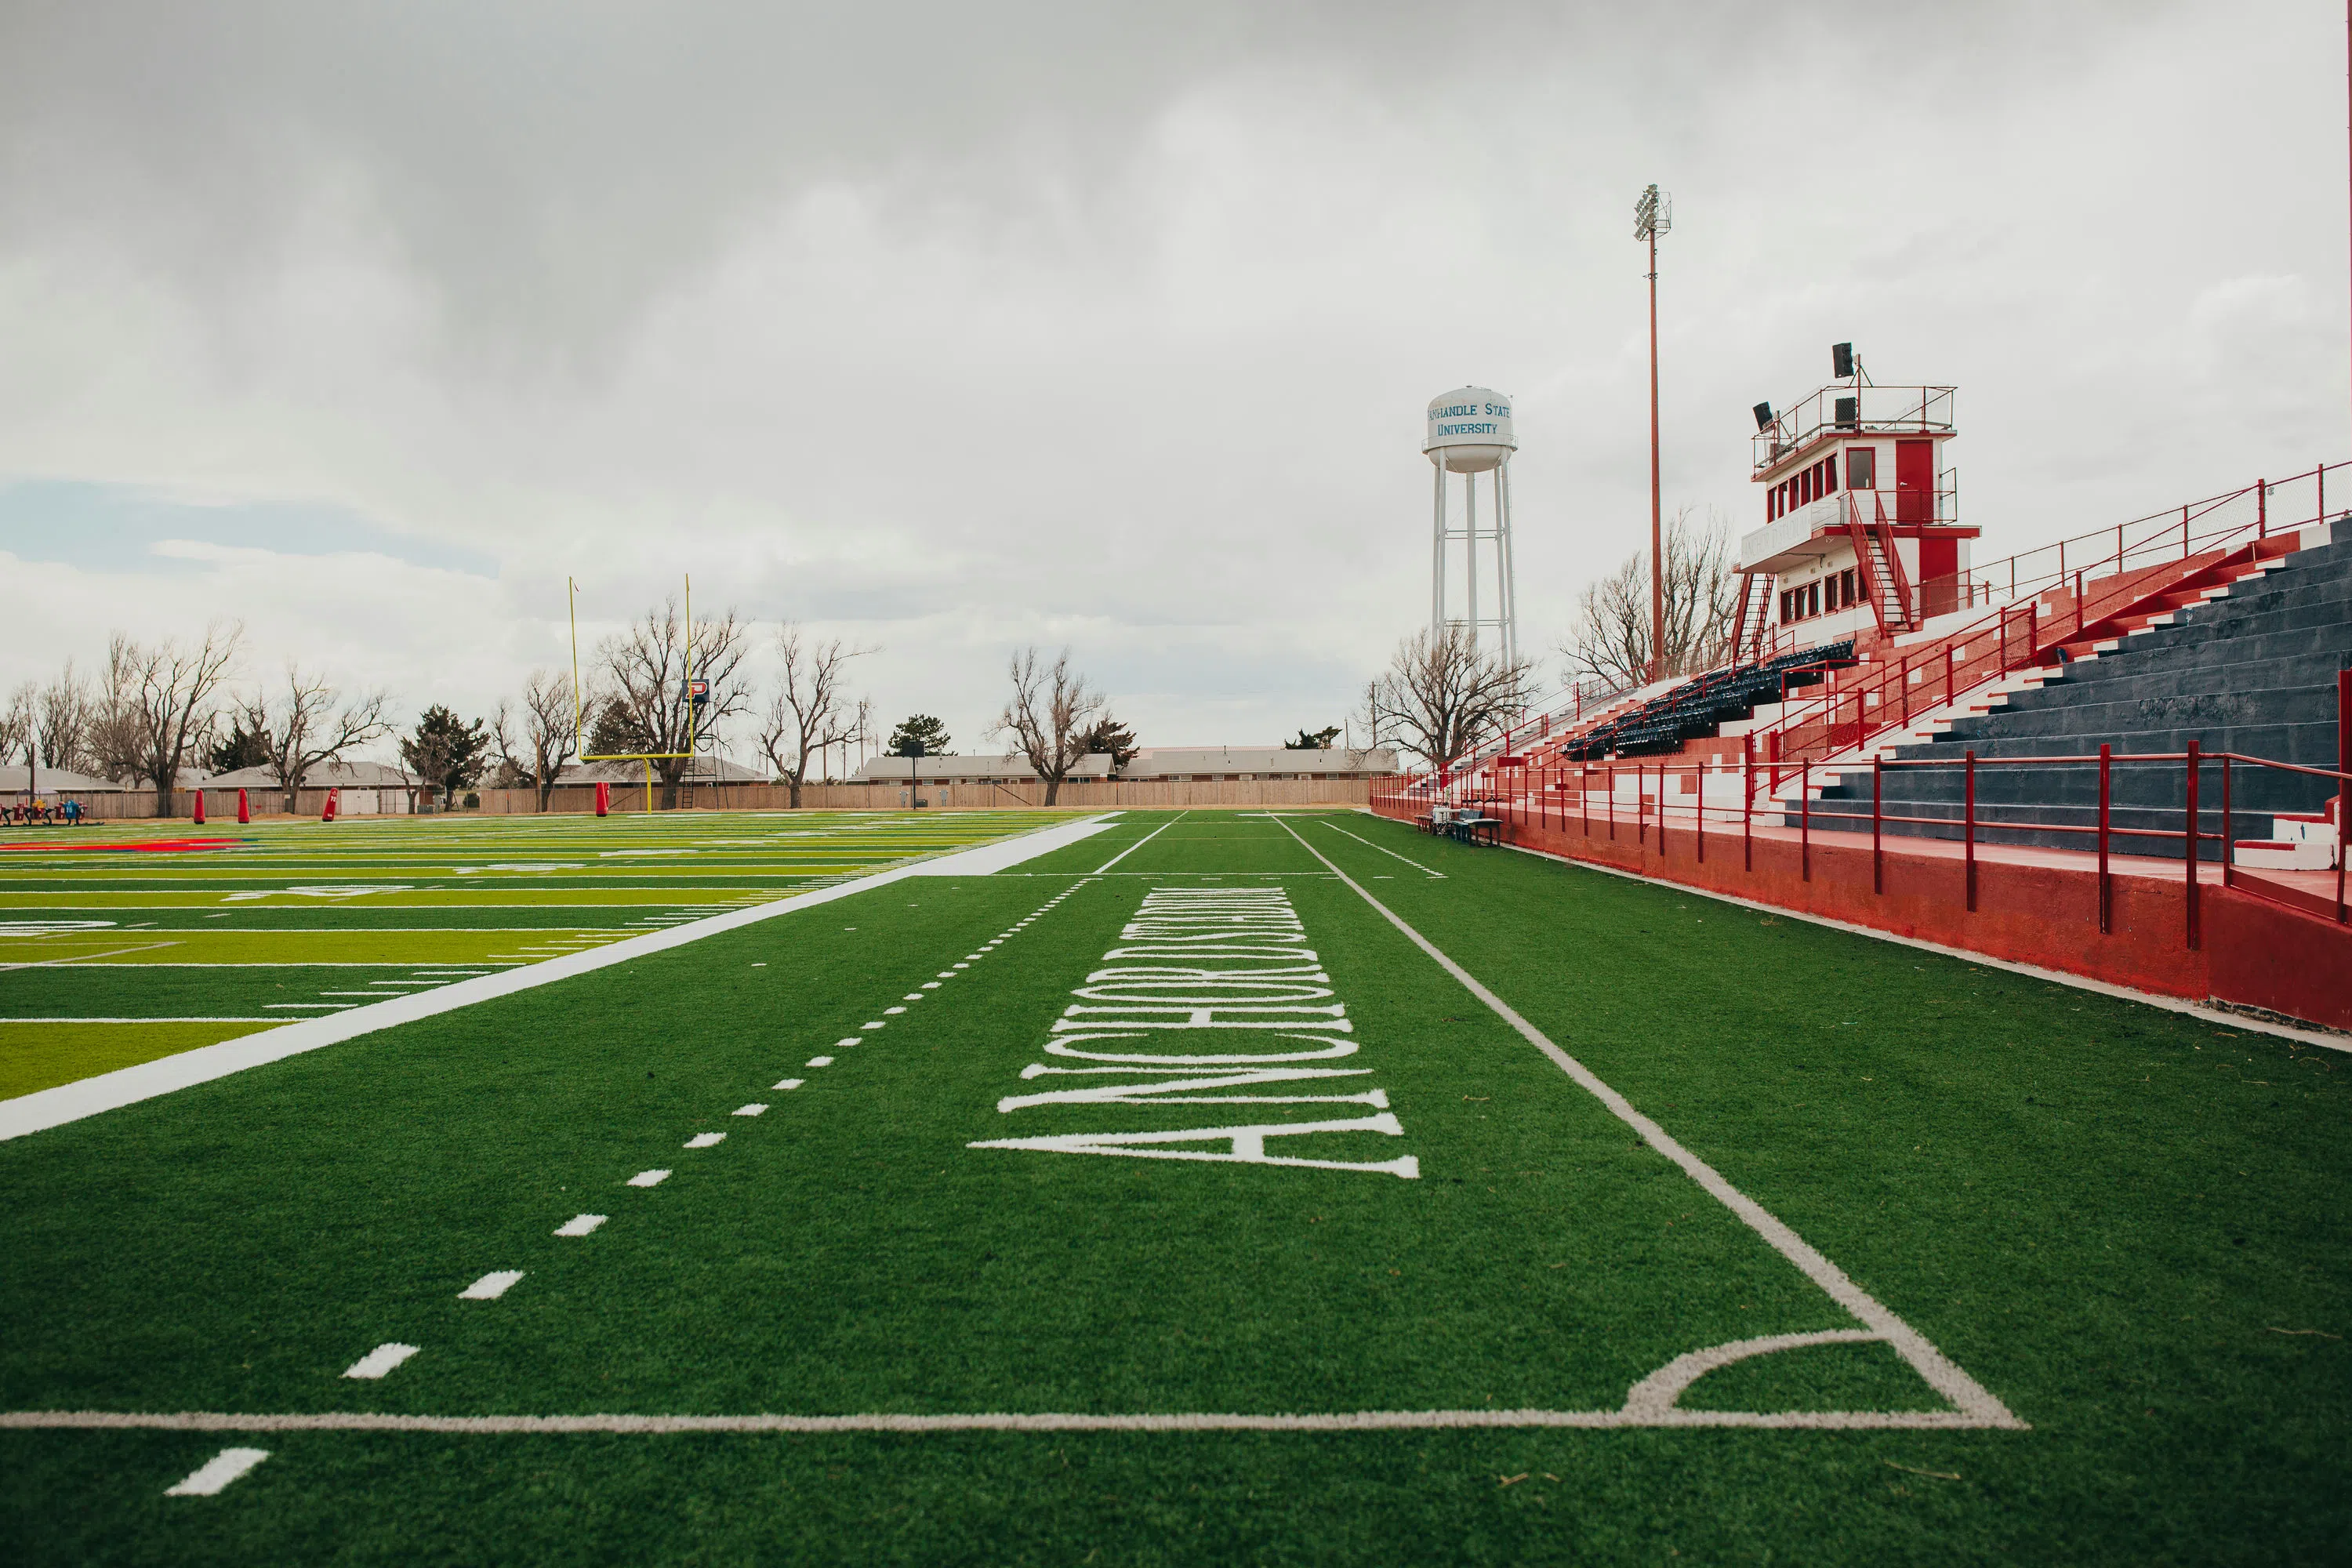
(1049, 716)
(1441, 697)
(19, 721)
(157, 704)
(1610, 637)
(646, 667)
(548, 733)
(62, 719)
(304, 729)
(811, 710)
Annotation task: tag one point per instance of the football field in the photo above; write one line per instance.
(1158, 1187)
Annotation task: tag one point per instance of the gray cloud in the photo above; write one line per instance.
(958, 326)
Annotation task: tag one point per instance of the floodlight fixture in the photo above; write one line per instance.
(1840, 361)
(1763, 416)
(1653, 214)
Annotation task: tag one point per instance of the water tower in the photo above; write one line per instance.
(1470, 435)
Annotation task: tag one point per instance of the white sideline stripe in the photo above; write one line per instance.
(490, 1286)
(705, 1141)
(1334, 1421)
(55, 1107)
(990, 858)
(648, 1178)
(791, 1083)
(218, 1472)
(1969, 1397)
(754, 1109)
(1382, 849)
(379, 1361)
(580, 1224)
(2333, 1042)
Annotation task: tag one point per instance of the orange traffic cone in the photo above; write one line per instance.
(200, 808)
(329, 815)
(603, 799)
(244, 812)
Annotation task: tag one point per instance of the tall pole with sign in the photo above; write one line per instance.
(1653, 214)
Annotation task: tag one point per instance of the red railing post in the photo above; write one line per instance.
(1698, 823)
(1878, 856)
(2343, 786)
(1748, 806)
(1949, 648)
(1584, 795)
(1805, 821)
(1969, 829)
(2262, 509)
(1903, 680)
(1613, 803)
(2189, 839)
(2184, 533)
(2078, 602)
(2106, 889)
(2228, 850)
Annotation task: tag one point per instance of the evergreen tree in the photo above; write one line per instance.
(1313, 740)
(921, 736)
(445, 752)
(1108, 735)
(240, 748)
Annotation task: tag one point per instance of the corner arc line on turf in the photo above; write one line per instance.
(1968, 1397)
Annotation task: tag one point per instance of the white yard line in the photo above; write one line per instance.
(1970, 1399)
(989, 1421)
(1140, 843)
(50, 1108)
(1369, 845)
(74, 958)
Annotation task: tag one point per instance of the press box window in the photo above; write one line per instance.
(1861, 468)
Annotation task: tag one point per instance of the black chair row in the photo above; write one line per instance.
(1697, 709)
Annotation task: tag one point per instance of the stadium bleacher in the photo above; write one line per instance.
(1699, 708)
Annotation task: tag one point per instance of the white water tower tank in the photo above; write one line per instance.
(1469, 430)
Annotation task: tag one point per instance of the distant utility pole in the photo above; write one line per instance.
(1653, 214)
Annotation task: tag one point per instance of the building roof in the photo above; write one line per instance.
(1006, 766)
(332, 775)
(13, 781)
(701, 770)
(1161, 762)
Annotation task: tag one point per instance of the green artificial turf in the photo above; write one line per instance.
(2106, 1215)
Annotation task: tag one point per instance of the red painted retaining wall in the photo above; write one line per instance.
(2251, 952)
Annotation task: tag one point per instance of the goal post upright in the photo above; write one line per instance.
(579, 734)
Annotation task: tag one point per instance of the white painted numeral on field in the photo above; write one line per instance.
(379, 1361)
(705, 1140)
(218, 1472)
(580, 1224)
(490, 1286)
(649, 1178)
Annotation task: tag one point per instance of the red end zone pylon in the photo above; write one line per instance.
(603, 799)
(244, 812)
(200, 808)
(328, 814)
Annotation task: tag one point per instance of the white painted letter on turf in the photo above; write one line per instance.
(218, 1472)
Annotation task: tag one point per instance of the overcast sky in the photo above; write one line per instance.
(950, 328)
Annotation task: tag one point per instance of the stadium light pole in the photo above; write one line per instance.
(1653, 214)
